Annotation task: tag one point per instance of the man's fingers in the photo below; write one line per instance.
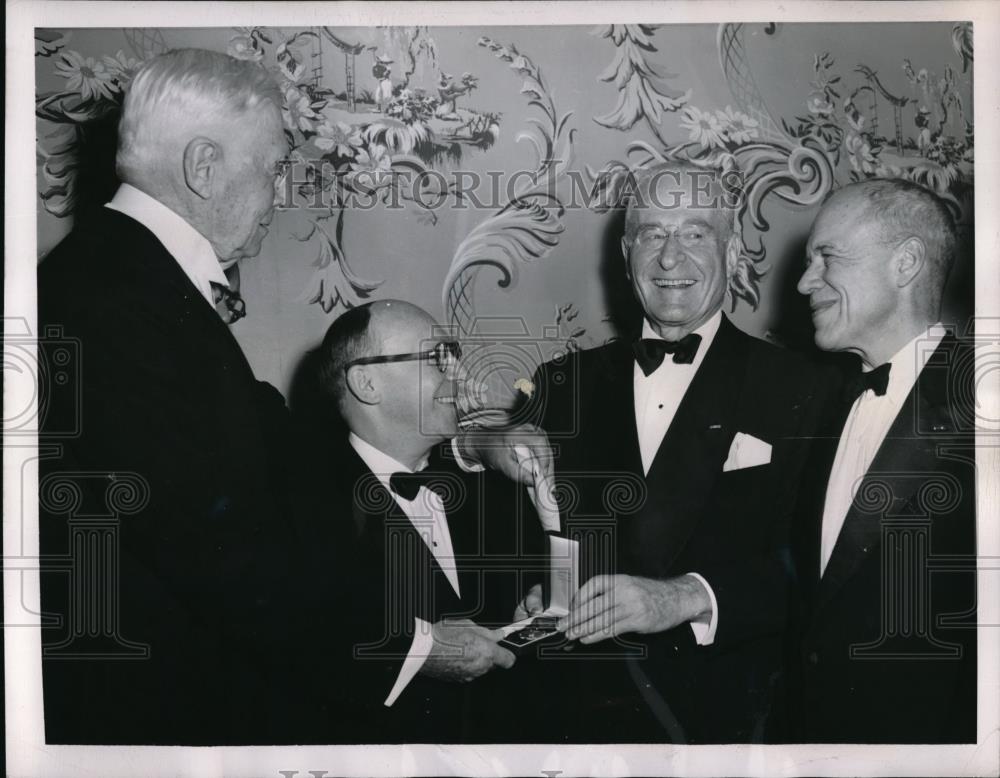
(595, 587)
(526, 465)
(595, 616)
(503, 658)
(603, 626)
(493, 635)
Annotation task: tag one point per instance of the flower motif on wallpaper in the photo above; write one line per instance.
(719, 130)
(121, 67)
(246, 45)
(703, 126)
(797, 163)
(342, 144)
(338, 137)
(737, 126)
(92, 95)
(847, 124)
(89, 77)
(374, 161)
(300, 111)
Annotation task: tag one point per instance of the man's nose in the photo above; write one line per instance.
(810, 281)
(672, 253)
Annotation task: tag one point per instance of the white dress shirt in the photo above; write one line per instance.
(186, 245)
(867, 424)
(426, 513)
(657, 398)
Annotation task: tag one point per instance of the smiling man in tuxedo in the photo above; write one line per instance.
(884, 649)
(432, 553)
(212, 621)
(704, 424)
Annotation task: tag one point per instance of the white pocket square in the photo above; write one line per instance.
(746, 451)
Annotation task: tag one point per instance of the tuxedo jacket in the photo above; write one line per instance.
(884, 645)
(194, 645)
(387, 577)
(686, 515)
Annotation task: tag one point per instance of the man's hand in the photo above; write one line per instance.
(464, 651)
(521, 453)
(609, 605)
(531, 605)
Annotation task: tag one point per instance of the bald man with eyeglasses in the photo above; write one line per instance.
(430, 551)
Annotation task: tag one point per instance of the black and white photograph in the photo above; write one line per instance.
(502, 388)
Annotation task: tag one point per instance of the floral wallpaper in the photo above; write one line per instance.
(395, 117)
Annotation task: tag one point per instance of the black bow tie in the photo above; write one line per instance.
(649, 352)
(407, 485)
(877, 380)
(228, 303)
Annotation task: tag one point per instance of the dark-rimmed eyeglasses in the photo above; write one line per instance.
(443, 356)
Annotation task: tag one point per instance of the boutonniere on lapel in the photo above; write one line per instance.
(746, 451)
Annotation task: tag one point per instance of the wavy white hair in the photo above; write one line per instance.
(193, 87)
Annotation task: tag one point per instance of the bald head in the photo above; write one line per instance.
(902, 210)
(392, 377)
(878, 257)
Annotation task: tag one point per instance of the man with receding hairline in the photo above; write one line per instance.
(689, 583)
(215, 636)
(431, 554)
(884, 641)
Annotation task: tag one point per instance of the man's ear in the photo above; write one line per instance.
(628, 269)
(908, 260)
(201, 156)
(361, 385)
(732, 255)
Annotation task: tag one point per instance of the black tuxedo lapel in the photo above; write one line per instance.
(165, 272)
(689, 459)
(156, 270)
(903, 453)
(611, 395)
(815, 478)
(391, 542)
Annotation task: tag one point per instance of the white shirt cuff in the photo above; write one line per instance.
(468, 467)
(704, 630)
(420, 648)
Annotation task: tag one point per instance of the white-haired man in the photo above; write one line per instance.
(167, 395)
(885, 640)
(702, 424)
(204, 638)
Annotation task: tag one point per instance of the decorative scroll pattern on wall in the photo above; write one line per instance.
(364, 104)
(528, 226)
(798, 163)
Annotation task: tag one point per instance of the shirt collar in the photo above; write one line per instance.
(910, 360)
(706, 330)
(186, 245)
(380, 463)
